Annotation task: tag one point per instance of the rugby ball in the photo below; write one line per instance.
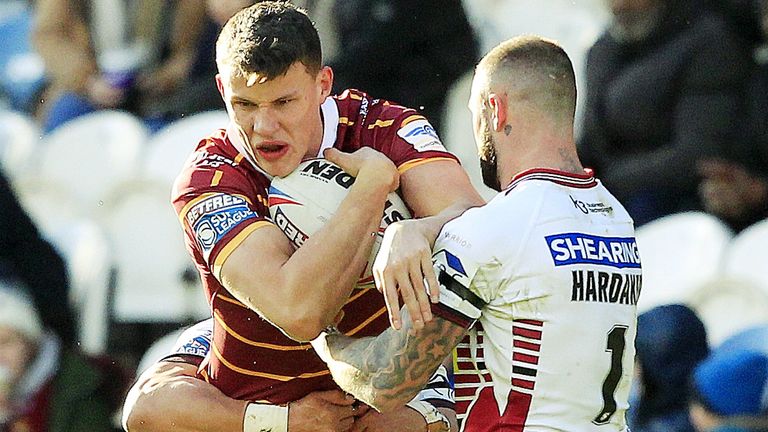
(304, 200)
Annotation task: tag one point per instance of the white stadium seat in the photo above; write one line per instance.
(19, 137)
(170, 147)
(50, 206)
(84, 247)
(729, 305)
(747, 256)
(156, 281)
(90, 154)
(679, 253)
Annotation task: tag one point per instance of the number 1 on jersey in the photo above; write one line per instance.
(615, 346)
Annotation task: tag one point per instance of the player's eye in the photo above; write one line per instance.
(282, 102)
(243, 103)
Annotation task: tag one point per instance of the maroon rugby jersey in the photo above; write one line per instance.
(220, 197)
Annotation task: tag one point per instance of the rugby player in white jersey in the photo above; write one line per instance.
(544, 279)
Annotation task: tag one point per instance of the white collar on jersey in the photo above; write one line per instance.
(330, 116)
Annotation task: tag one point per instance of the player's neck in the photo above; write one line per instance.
(548, 152)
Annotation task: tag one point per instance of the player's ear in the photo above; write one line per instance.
(498, 111)
(220, 86)
(325, 82)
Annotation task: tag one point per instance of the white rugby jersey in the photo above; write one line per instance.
(549, 274)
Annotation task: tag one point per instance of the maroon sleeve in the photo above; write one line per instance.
(217, 206)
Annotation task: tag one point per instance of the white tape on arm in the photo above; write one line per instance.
(436, 421)
(265, 418)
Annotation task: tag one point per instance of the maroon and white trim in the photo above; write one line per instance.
(470, 372)
(526, 345)
(579, 181)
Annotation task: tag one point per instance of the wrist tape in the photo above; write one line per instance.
(436, 421)
(263, 417)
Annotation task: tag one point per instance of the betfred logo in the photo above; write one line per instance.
(324, 170)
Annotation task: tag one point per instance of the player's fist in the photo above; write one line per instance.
(370, 167)
(323, 411)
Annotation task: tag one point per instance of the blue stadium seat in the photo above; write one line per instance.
(22, 71)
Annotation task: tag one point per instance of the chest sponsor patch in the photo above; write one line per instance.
(421, 135)
(579, 248)
(216, 215)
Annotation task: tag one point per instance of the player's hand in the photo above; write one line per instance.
(402, 420)
(404, 264)
(370, 167)
(324, 411)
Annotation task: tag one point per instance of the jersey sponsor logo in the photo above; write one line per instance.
(578, 248)
(605, 287)
(199, 346)
(326, 171)
(421, 135)
(218, 215)
(206, 159)
(587, 208)
(213, 203)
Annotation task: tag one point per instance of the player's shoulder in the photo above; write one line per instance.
(359, 106)
(214, 160)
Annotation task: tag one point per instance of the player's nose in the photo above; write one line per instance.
(265, 122)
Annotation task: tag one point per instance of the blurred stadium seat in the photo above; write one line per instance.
(728, 306)
(49, 204)
(19, 138)
(170, 147)
(155, 280)
(747, 255)
(89, 155)
(85, 249)
(680, 253)
(754, 339)
(22, 71)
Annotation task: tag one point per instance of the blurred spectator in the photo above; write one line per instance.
(671, 341)
(665, 86)
(44, 386)
(731, 393)
(25, 255)
(92, 64)
(736, 189)
(404, 51)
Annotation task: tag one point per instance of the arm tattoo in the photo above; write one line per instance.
(393, 367)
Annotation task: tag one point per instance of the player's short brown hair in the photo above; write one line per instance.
(537, 70)
(265, 39)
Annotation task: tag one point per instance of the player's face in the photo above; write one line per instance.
(486, 146)
(280, 118)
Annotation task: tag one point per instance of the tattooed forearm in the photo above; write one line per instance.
(387, 371)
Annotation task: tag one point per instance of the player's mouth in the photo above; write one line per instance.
(271, 150)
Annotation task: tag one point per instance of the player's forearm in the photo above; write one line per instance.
(332, 259)
(181, 404)
(387, 371)
(432, 225)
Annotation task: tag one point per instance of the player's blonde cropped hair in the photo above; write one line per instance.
(262, 41)
(533, 70)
